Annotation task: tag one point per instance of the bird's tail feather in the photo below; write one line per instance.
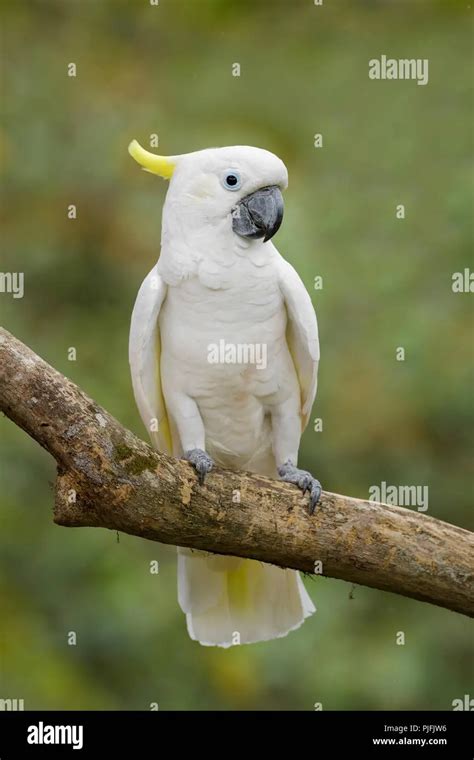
(229, 601)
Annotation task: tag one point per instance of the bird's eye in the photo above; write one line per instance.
(231, 180)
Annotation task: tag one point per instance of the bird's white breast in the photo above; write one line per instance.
(233, 397)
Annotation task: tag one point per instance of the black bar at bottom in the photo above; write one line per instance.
(152, 734)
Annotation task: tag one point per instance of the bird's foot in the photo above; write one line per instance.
(304, 480)
(201, 462)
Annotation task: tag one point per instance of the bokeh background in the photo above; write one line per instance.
(167, 70)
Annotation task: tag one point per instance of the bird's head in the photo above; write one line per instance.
(235, 189)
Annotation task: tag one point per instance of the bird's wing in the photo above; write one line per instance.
(144, 356)
(301, 334)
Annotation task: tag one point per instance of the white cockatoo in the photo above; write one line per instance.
(224, 354)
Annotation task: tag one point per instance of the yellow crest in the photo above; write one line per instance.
(164, 166)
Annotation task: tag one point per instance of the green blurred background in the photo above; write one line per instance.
(387, 283)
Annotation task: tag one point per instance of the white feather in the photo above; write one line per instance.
(302, 334)
(144, 358)
(268, 603)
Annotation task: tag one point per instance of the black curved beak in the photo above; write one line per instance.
(259, 214)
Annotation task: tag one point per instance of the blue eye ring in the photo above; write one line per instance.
(231, 180)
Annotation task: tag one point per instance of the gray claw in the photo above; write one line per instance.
(315, 495)
(201, 462)
(304, 480)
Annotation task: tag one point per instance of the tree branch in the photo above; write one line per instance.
(109, 478)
